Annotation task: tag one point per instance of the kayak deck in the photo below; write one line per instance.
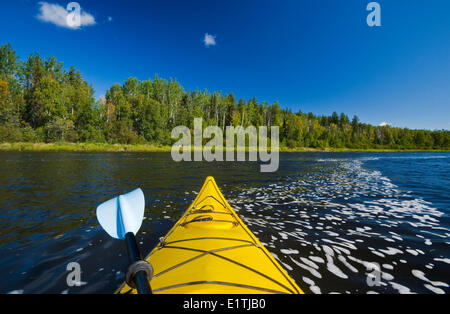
(211, 251)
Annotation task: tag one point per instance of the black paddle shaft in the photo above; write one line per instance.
(134, 255)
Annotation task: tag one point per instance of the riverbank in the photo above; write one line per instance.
(360, 150)
(103, 147)
(81, 147)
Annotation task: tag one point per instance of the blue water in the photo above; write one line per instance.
(330, 218)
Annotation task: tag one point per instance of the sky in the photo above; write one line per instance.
(317, 56)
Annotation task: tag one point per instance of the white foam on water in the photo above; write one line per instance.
(337, 211)
(391, 251)
(434, 289)
(420, 274)
(332, 268)
(346, 244)
(445, 260)
(401, 289)
(315, 289)
(275, 256)
(317, 259)
(287, 266)
(289, 251)
(313, 272)
(309, 263)
(386, 276)
(412, 252)
(378, 253)
(340, 250)
(308, 281)
(347, 264)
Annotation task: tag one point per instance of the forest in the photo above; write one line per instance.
(42, 102)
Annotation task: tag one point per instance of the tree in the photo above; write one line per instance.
(45, 104)
(41, 101)
(4, 91)
(343, 120)
(335, 118)
(60, 130)
(8, 63)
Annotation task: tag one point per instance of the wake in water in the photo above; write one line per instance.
(331, 219)
(340, 224)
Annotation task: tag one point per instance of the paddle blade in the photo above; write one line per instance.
(122, 214)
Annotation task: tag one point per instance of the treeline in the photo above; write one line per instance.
(40, 101)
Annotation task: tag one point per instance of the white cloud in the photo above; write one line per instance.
(57, 15)
(384, 124)
(209, 40)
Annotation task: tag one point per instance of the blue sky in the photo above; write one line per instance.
(319, 56)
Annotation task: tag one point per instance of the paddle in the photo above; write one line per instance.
(121, 218)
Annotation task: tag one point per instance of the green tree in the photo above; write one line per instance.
(60, 129)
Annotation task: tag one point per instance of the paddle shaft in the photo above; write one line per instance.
(134, 255)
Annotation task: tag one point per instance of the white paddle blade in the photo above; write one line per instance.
(122, 214)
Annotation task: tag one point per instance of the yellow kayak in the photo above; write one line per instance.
(211, 251)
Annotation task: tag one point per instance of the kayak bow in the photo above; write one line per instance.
(211, 251)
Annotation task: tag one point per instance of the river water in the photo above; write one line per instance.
(330, 218)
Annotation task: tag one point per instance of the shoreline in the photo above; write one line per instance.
(117, 148)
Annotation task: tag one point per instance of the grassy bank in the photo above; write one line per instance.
(81, 147)
(102, 147)
(361, 150)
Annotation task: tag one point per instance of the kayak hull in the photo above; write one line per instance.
(211, 251)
